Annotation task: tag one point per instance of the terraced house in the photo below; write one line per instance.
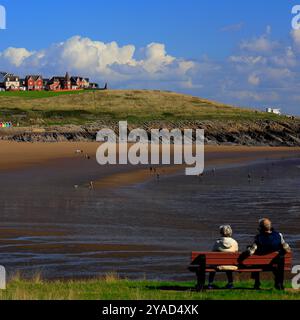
(59, 83)
(34, 83)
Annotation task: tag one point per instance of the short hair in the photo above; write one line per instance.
(265, 224)
(226, 231)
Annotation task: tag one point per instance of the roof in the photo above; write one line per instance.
(75, 78)
(34, 77)
(12, 77)
(67, 77)
(4, 75)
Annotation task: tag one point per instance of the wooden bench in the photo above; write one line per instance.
(203, 262)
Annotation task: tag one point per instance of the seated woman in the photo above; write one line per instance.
(225, 244)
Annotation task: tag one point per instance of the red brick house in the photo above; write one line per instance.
(59, 83)
(34, 83)
(53, 84)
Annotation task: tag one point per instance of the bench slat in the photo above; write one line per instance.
(214, 259)
(217, 255)
(249, 269)
(229, 262)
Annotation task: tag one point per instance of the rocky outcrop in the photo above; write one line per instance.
(250, 133)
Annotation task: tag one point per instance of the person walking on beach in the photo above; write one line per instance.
(91, 185)
(225, 244)
(269, 241)
(249, 177)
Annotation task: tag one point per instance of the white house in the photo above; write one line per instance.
(273, 110)
(9, 81)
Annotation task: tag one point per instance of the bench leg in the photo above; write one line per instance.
(279, 274)
(200, 280)
(256, 277)
(201, 274)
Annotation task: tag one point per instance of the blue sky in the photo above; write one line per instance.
(226, 50)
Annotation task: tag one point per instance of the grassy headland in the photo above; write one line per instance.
(136, 106)
(112, 288)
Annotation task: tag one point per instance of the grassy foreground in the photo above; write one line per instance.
(137, 106)
(112, 288)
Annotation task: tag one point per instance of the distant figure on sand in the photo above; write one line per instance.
(249, 177)
(225, 244)
(268, 241)
(92, 185)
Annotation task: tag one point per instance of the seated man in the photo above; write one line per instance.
(268, 241)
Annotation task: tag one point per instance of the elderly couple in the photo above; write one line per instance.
(267, 241)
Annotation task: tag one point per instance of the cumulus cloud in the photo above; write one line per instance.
(261, 44)
(15, 56)
(100, 60)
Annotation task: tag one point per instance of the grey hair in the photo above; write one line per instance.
(226, 231)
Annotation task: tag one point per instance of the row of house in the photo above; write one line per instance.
(11, 82)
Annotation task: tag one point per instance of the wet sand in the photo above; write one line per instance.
(14, 155)
(133, 224)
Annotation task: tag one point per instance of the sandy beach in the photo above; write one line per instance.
(16, 155)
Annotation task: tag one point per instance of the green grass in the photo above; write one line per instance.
(48, 108)
(37, 94)
(112, 288)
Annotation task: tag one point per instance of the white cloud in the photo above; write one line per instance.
(250, 60)
(296, 38)
(15, 56)
(261, 44)
(156, 58)
(254, 79)
(101, 61)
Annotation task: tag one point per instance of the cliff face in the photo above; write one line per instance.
(250, 133)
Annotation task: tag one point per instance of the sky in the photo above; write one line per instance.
(244, 53)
